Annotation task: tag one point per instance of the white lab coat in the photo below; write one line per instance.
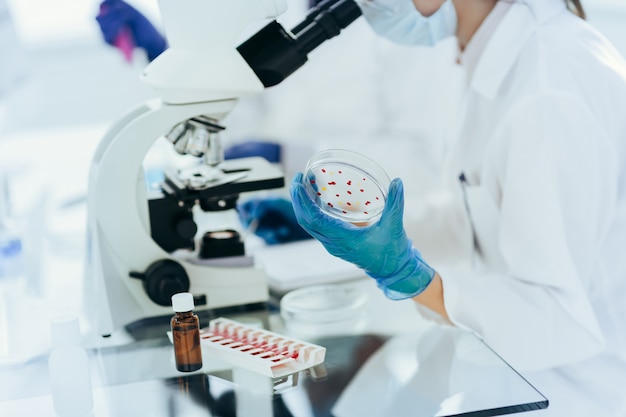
(542, 143)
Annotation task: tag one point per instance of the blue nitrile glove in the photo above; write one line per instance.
(382, 249)
(272, 219)
(116, 16)
(269, 150)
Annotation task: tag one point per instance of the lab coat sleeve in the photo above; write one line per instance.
(549, 158)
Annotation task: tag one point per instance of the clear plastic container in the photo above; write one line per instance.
(324, 309)
(347, 185)
(69, 371)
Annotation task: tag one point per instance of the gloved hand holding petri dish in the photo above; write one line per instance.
(347, 186)
(348, 204)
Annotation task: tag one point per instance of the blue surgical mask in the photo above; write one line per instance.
(400, 22)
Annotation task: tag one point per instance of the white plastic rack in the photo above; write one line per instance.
(259, 350)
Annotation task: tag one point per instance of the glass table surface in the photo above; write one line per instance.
(438, 370)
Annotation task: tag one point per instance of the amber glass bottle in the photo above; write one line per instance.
(186, 333)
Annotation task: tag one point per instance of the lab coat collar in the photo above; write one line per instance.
(500, 53)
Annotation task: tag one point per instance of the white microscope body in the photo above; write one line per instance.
(200, 77)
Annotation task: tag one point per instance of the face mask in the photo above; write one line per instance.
(400, 22)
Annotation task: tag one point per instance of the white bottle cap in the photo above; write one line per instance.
(65, 331)
(182, 302)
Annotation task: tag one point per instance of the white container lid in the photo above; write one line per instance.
(182, 302)
(65, 331)
(324, 309)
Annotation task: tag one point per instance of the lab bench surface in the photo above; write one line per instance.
(428, 370)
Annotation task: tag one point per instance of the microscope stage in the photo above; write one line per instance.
(235, 176)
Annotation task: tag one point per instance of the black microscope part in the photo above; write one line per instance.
(273, 53)
(162, 279)
(209, 123)
(172, 223)
(314, 11)
(221, 203)
(327, 24)
(220, 244)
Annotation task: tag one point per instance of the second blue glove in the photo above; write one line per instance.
(116, 14)
(272, 219)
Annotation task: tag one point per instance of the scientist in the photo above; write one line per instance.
(541, 162)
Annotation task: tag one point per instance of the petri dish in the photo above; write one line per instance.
(347, 185)
(324, 309)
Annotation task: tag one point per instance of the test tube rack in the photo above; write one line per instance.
(259, 350)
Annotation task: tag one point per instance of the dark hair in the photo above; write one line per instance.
(576, 7)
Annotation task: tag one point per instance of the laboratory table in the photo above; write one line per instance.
(427, 370)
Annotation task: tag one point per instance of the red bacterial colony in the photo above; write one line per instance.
(338, 194)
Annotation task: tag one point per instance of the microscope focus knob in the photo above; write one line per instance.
(186, 228)
(163, 279)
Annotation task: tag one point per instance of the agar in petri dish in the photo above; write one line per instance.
(347, 185)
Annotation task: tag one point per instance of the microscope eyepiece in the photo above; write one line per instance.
(327, 24)
(273, 53)
(313, 13)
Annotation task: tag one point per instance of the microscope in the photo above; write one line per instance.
(144, 245)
